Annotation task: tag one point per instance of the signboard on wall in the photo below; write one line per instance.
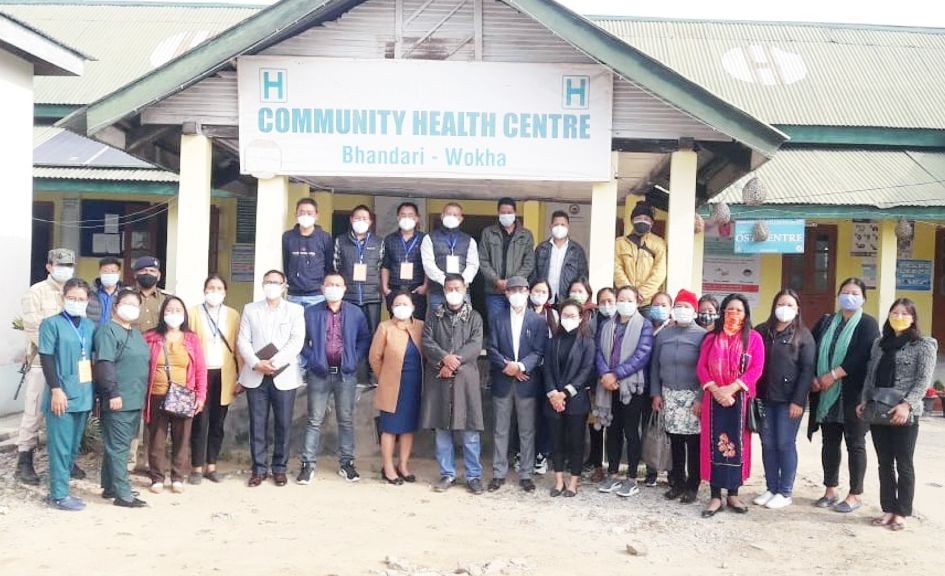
(914, 275)
(865, 239)
(424, 119)
(784, 237)
(242, 262)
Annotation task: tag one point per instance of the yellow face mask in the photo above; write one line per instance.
(899, 323)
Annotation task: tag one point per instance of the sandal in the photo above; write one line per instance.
(897, 526)
(881, 521)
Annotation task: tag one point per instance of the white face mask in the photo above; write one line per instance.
(559, 232)
(109, 279)
(626, 309)
(403, 311)
(174, 320)
(127, 312)
(75, 308)
(684, 315)
(570, 324)
(785, 313)
(455, 298)
(518, 299)
(62, 274)
(272, 291)
(450, 222)
(539, 299)
(214, 299)
(608, 310)
(407, 224)
(306, 221)
(360, 226)
(506, 220)
(333, 293)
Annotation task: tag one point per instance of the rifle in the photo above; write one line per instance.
(24, 370)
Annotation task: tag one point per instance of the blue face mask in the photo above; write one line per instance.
(851, 302)
(659, 313)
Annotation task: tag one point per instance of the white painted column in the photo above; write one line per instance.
(886, 268)
(603, 220)
(16, 218)
(272, 196)
(679, 224)
(188, 221)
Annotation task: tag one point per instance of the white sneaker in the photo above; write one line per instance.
(157, 487)
(763, 499)
(779, 502)
(177, 487)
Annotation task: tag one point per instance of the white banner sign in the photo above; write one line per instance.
(423, 118)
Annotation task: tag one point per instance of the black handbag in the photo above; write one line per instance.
(756, 415)
(880, 406)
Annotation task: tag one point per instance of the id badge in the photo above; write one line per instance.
(85, 371)
(406, 271)
(360, 273)
(452, 265)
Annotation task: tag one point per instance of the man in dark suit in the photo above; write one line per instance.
(516, 347)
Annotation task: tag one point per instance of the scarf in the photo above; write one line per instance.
(826, 361)
(629, 386)
(886, 371)
(725, 359)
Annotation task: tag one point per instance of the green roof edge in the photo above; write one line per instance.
(865, 136)
(827, 212)
(132, 187)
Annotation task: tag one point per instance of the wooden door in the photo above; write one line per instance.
(144, 231)
(813, 274)
(938, 296)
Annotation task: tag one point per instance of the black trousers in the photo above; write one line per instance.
(895, 447)
(685, 472)
(206, 436)
(567, 441)
(853, 432)
(625, 427)
(260, 401)
(595, 456)
(717, 492)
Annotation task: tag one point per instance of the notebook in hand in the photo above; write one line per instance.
(267, 352)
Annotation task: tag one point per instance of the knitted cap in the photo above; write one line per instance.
(687, 297)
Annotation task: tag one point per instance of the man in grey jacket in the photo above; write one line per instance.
(506, 249)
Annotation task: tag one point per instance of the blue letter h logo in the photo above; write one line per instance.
(576, 91)
(273, 85)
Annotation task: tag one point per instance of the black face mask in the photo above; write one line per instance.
(642, 228)
(146, 280)
(706, 319)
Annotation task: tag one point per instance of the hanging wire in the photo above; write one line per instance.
(151, 211)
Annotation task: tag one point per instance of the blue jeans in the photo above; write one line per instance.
(306, 301)
(344, 387)
(471, 448)
(495, 305)
(779, 448)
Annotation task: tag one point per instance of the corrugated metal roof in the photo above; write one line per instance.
(104, 174)
(57, 147)
(127, 41)
(849, 177)
(804, 74)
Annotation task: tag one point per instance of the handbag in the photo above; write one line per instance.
(756, 415)
(180, 400)
(880, 406)
(657, 453)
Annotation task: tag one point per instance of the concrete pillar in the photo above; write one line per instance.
(698, 250)
(679, 225)
(188, 228)
(531, 219)
(886, 268)
(272, 195)
(602, 241)
(326, 208)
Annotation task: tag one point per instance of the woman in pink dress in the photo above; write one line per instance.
(730, 362)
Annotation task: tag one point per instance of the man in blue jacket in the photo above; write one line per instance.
(336, 341)
(307, 255)
(516, 347)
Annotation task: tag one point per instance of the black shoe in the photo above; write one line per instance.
(708, 512)
(474, 486)
(527, 485)
(738, 507)
(348, 472)
(214, 477)
(689, 497)
(555, 492)
(305, 475)
(396, 480)
(110, 495)
(133, 503)
(495, 484)
(409, 478)
(24, 469)
(77, 473)
(569, 493)
(673, 493)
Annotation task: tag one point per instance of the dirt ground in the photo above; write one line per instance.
(331, 527)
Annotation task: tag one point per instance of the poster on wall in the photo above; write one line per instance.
(865, 240)
(242, 261)
(868, 271)
(725, 272)
(914, 275)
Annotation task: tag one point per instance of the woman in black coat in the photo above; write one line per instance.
(569, 363)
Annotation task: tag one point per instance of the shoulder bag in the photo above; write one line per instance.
(180, 400)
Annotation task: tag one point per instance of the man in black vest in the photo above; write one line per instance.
(448, 250)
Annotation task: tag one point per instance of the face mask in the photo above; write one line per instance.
(642, 228)
(539, 299)
(333, 293)
(174, 320)
(626, 309)
(518, 299)
(733, 323)
(659, 313)
(214, 299)
(455, 298)
(146, 280)
(75, 308)
(62, 274)
(109, 279)
(559, 232)
(272, 291)
(706, 319)
(306, 221)
(851, 302)
(607, 310)
(127, 312)
(360, 226)
(570, 324)
(450, 222)
(506, 220)
(403, 311)
(407, 224)
(684, 315)
(579, 298)
(785, 313)
(899, 324)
